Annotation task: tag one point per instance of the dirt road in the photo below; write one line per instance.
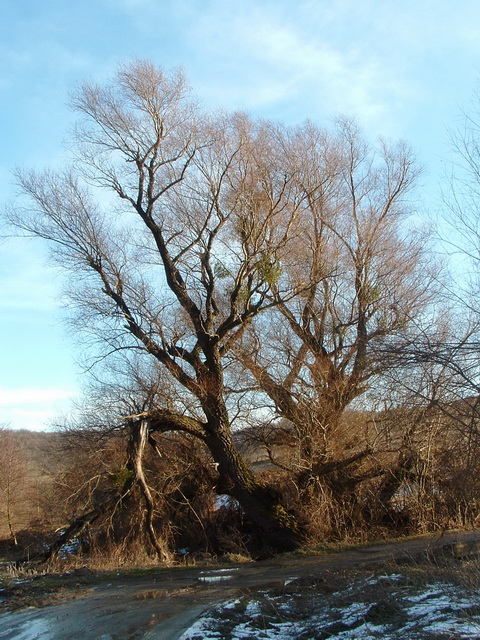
(163, 605)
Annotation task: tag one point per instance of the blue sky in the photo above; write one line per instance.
(403, 69)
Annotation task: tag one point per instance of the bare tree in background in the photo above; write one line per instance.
(369, 281)
(15, 489)
(456, 348)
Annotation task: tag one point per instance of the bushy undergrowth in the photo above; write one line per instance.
(189, 518)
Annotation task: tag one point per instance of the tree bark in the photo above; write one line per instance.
(275, 527)
(138, 440)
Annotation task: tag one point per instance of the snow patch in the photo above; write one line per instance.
(437, 609)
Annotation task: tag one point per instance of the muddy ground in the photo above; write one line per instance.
(161, 603)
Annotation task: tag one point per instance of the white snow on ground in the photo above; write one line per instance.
(353, 613)
(404, 610)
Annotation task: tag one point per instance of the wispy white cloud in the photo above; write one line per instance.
(272, 61)
(33, 407)
(381, 62)
(26, 281)
(32, 396)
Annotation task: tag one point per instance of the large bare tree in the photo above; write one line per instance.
(171, 223)
(368, 281)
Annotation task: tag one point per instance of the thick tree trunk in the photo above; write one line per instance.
(390, 486)
(276, 529)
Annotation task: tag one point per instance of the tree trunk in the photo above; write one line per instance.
(275, 529)
(136, 449)
(274, 526)
(73, 530)
(9, 516)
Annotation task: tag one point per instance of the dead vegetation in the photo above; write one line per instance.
(429, 482)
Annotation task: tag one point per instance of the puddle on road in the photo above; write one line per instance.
(36, 629)
(214, 578)
(217, 575)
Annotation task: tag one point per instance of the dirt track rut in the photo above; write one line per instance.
(164, 605)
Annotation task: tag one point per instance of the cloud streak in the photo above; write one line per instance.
(275, 61)
(29, 396)
(33, 408)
